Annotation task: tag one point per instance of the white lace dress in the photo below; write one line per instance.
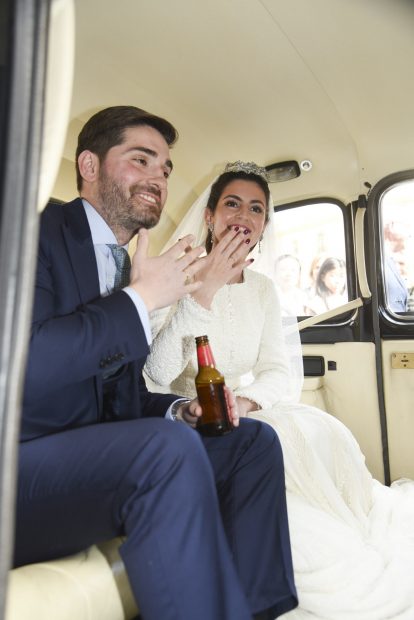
(352, 538)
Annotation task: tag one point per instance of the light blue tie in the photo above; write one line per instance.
(123, 265)
(123, 268)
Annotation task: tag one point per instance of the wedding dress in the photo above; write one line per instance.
(352, 538)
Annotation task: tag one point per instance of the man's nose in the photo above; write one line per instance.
(158, 179)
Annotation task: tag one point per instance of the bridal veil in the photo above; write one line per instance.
(264, 255)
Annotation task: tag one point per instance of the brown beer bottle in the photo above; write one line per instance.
(209, 383)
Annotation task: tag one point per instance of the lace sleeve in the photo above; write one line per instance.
(271, 371)
(173, 345)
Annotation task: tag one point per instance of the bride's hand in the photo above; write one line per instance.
(245, 406)
(223, 264)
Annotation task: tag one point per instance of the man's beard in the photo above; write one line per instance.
(130, 214)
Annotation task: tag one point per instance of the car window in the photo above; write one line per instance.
(310, 270)
(396, 208)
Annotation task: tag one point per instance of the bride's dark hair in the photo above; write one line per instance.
(220, 185)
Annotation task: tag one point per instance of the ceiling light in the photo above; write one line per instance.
(282, 171)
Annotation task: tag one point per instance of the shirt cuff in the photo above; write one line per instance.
(142, 311)
(170, 415)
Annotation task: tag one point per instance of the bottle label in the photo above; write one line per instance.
(215, 419)
(205, 356)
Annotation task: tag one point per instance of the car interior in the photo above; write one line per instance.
(320, 94)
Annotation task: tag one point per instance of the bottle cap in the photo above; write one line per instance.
(201, 339)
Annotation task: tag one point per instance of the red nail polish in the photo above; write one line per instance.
(236, 228)
(247, 241)
(245, 232)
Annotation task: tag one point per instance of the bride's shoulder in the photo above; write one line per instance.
(261, 286)
(259, 281)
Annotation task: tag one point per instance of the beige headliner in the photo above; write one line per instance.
(325, 80)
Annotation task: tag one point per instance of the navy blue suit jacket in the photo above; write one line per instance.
(396, 289)
(77, 334)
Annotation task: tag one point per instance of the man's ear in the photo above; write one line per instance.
(88, 163)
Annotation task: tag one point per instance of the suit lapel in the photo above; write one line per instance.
(81, 252)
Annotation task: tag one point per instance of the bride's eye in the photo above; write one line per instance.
(231, 203)
(257, 209)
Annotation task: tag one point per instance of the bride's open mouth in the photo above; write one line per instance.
(244, 229)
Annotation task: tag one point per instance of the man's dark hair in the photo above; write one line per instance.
(106, 129)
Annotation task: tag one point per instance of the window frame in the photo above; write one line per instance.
(333, 330)
(391, 325)
(22, 104)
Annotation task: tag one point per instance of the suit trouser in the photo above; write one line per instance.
(151, 480)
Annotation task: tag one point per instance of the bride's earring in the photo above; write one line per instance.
(209, 240)
(260, 244)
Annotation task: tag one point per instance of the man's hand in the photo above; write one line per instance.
(162, 280)
(189, 412)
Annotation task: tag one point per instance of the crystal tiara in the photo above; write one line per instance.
(246, 166)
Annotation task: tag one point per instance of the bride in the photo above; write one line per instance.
(352, 538)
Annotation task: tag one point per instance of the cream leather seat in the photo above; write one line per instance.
(91, 585)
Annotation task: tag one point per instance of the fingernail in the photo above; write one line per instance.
(252, 260)
(236, 228)
(245, 232)
(247, 241)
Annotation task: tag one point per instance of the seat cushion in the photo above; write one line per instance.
(91, 585)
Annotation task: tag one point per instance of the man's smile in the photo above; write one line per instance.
(148, 197)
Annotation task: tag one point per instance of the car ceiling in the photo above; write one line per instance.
(264, 80)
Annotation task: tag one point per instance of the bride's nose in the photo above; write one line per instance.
(244, 213)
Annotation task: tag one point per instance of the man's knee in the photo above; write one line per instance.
(264, 440)
(180, 440)
(175, 450)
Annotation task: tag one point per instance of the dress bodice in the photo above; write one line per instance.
(348, 532)
(244, 328)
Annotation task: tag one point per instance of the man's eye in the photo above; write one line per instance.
(141, 160)
(167, 173)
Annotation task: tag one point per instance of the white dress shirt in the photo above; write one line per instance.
(101, 236)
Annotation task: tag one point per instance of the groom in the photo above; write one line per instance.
(205, 520)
